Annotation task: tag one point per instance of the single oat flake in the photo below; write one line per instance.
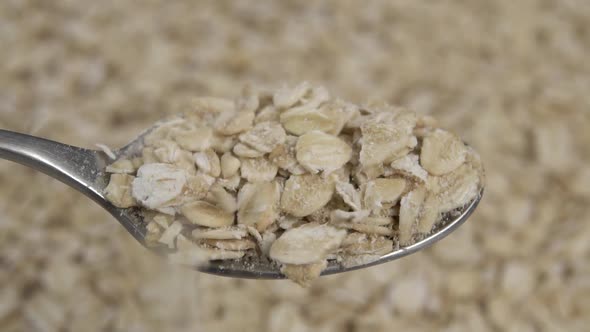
(294, 176)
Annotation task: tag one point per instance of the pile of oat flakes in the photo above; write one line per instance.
(295, 176)
(512, 77)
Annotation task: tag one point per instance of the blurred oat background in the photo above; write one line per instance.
(513, 77)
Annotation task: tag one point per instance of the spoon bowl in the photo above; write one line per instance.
(84, 170)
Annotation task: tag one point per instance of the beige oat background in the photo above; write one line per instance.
(513, 77)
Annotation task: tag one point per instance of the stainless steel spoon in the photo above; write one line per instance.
(84, 170)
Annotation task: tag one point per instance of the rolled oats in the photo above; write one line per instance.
(170, 234)
(258, 169)
(314, 97)
(305, 194)
(223, 233)
(366, 228)
(222, 144)
(363, 244)
(231, 123)
(307, 244)
(409, 167)
(288, 222)
(158, 184)
(284, 156)
(266, 241)
(304, 274)
(118, 191)
(107, 151)
(379, 221)
(258, 204)
(410, 209)
(220, 197)
(197, 186)
(299, 121)
(266, 114)
(317, 151)
(347, 184)
(206, 214)
(212, 105)
(123, 166)
(349, 195)
(163, 220)
(456, 188)
(264, 137)
(112, 67)
(230, 165)
(429, 215)
(442, 152)
(254, 233)
(329, 118)
(286, 97)
(386, 137)
(232, 244)
(231, 184)
(409, 296)
(208, 162)
(462, 283)
(337, 216)
(168, 151)
(153, 234)
(245, 151)
(379, 191)
(148, 156)
(193, 138)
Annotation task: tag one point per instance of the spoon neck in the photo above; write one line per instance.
(81, 169)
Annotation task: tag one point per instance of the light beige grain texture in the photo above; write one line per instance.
(305, 194)
(507, 75)
(307, 244)
(206, 214)
(258, 204)
(119, 190)
(317, 151)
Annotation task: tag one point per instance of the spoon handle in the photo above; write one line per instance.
(81, 169)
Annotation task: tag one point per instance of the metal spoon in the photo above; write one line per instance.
(84, 170)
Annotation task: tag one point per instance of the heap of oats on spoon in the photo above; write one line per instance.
(296, 181)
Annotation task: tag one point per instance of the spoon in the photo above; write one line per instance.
(84, 170)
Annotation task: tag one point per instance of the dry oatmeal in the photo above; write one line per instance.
(507, 75)
(353, 182)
